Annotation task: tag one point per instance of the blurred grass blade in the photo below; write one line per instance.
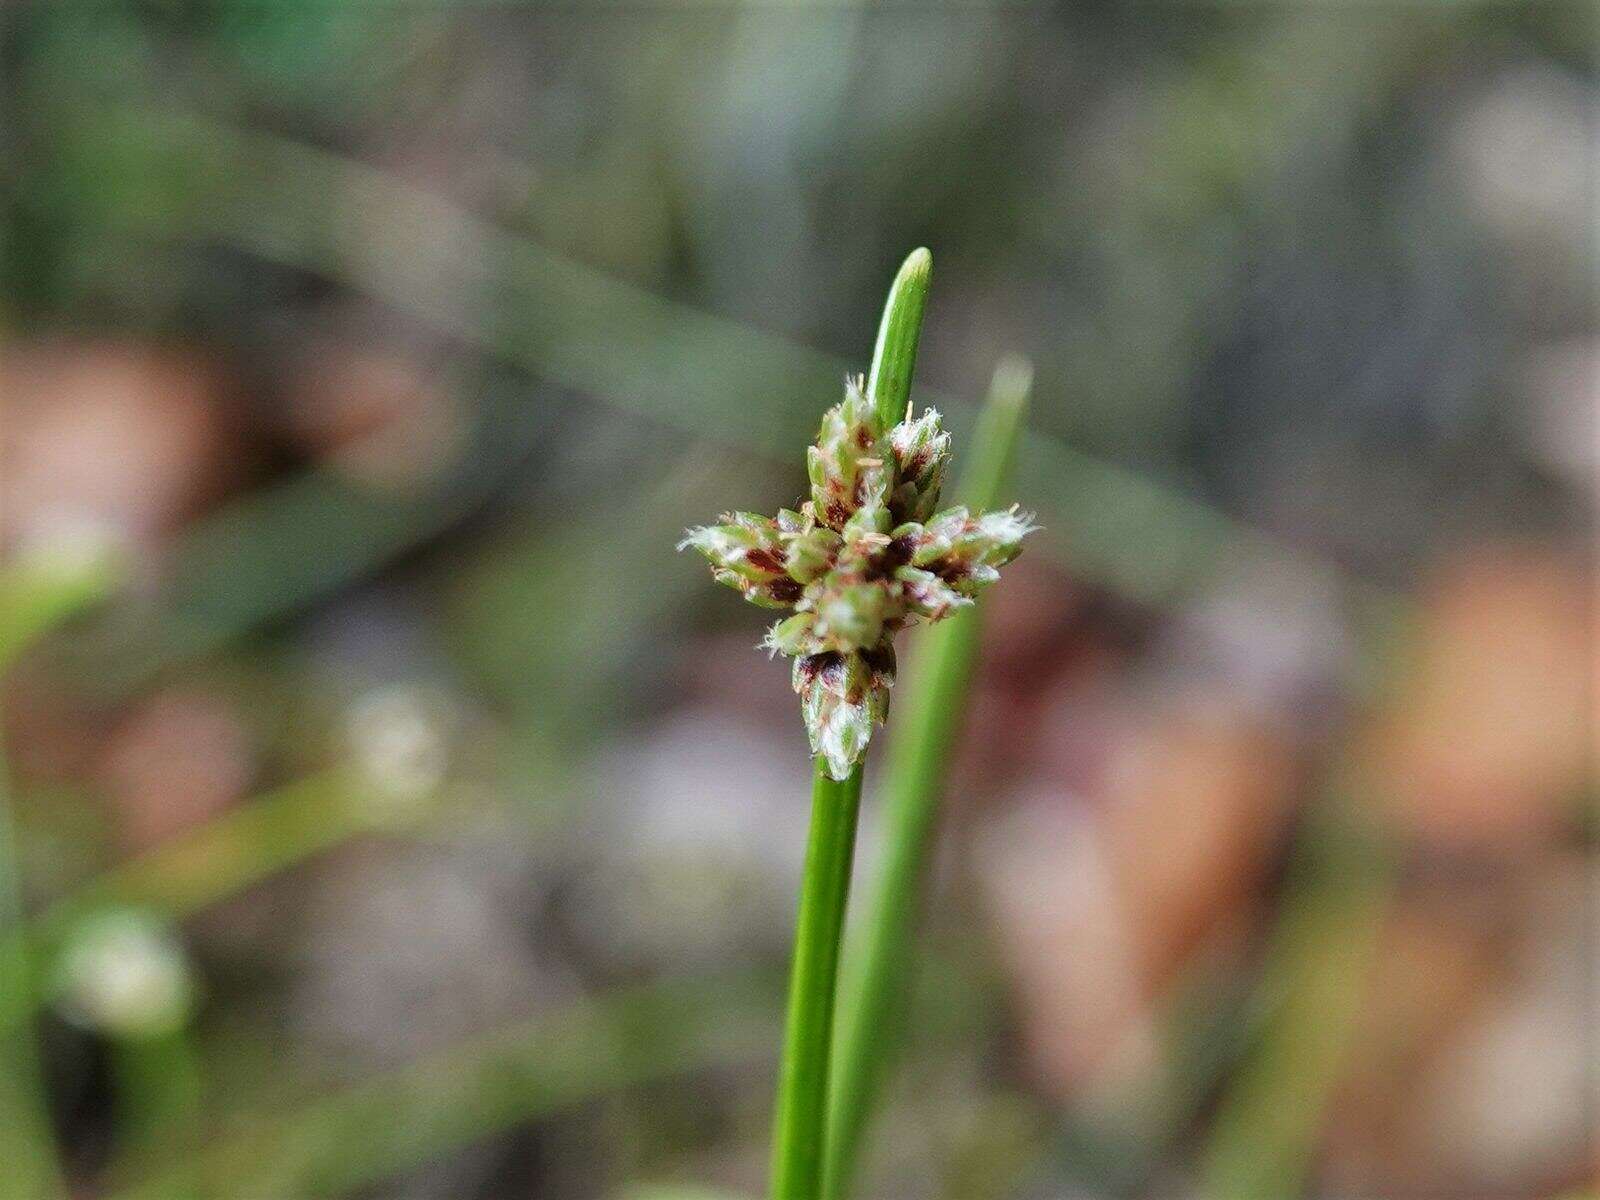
(574, 325)
(228, 854)
(29, 1168)
(282, 547)
(894, 357)
(359, 1137)
(295, 821)
(1000, 429)
(44, 588)
(928, 715)
(36, 594)
(160, 1100)
(1317, 973)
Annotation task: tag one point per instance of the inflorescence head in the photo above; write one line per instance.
(863, 558)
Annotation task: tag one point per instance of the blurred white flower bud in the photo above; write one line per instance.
(68, 546)
(125, 974)
(399, 737)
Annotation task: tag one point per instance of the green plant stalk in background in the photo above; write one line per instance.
(363, 1134)
(34, 597)
(274, 831)
(204, 180)
(929, 716)
(160, 1102)
(800, 1116)
(27, 1145)
(1263, 1141)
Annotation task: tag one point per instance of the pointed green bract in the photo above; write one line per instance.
(894, 357)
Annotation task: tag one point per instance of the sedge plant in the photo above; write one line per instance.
(868, 554)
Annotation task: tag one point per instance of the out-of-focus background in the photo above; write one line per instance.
(406, 819)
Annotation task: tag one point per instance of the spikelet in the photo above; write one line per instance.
(863, 558)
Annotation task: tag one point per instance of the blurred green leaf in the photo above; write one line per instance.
(45, 589)
(37, 592)
(1269, 1124)
(271, 553)
(339, 1143)
(226, 855)
(689, 369)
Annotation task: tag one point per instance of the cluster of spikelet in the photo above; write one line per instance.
(864, 557)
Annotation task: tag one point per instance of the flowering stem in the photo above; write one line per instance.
(797, 1149)
(877, 965)
(801, 1112)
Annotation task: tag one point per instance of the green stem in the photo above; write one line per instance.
(797, 1148)
(160, 1100)
(34, 597)
(27, 1143)
(800, 1119)
(929, 713)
